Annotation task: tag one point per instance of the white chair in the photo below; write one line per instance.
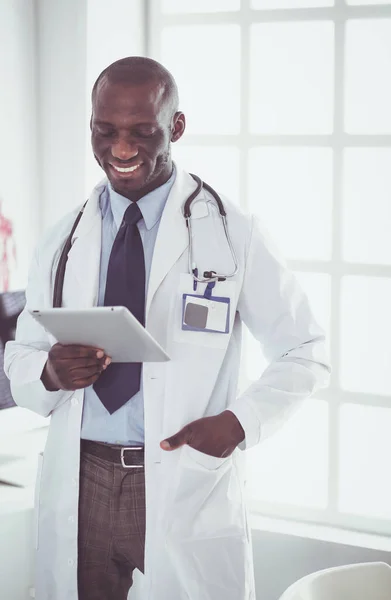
(366, 581)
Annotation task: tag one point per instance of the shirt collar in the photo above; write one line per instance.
(151, 205)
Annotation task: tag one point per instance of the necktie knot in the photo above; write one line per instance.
(132, 214)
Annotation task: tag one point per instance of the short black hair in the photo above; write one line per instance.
(138, 70)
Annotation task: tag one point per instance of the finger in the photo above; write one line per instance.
(227, 452)
(70, 370)
(84, 382)
(71, 364)
(176, 441)
(76, 351)
(85, 363)
(84, 373)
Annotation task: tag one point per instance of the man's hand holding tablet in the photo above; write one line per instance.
(73, 367)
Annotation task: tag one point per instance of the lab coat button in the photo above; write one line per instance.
(75, 401)
(74, 481)
(71, 562)
(71, 519)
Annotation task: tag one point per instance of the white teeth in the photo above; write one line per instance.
(128, 170)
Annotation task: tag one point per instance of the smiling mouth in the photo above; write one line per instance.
(126, 170)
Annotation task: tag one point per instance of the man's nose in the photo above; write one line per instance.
(123, 150)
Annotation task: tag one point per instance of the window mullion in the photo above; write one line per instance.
(334, 425)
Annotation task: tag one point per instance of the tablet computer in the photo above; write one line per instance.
(112, 328)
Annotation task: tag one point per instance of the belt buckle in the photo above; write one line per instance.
(125, 466)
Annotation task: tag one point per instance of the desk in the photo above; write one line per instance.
(16, 508)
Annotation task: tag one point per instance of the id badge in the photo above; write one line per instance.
(205, 313)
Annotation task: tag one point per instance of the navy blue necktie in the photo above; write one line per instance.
(125, 286)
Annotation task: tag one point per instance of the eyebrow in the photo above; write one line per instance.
(106, 123)
(101, 122)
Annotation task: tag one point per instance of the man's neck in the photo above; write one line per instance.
(156, 183)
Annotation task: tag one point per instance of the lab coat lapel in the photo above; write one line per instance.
(82, 272)
(172, 237)
(81, 281)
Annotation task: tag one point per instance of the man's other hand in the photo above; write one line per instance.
(73, 367)
(216, 436)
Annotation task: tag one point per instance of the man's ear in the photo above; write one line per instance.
(178, 126)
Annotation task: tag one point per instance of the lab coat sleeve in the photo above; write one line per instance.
(277, 312)
(25, 357)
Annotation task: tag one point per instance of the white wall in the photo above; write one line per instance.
(77, 39)
(18, 130)
(62, 72)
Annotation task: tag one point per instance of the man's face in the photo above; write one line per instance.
(131, 130)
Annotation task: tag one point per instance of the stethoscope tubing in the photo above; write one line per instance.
(223, 214)
(62, 263)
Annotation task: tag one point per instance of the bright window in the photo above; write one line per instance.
(294, 181)
(289, 114)
(368, 90)
(291, 77)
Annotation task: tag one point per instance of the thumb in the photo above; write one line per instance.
(175, 441)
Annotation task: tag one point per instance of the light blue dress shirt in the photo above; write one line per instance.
(126, 425)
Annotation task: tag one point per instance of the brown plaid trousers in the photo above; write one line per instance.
(111, 528)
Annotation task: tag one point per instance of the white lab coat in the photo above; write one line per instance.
(197, 535)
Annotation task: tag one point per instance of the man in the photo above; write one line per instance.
(174, 508)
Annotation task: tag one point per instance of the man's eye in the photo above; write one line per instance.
(105, 132)
(145, 134)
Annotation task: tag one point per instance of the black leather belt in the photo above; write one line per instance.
(130, 457)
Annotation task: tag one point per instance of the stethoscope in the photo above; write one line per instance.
(208, 276)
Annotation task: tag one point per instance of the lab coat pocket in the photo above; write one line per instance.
(206, 534)
(202, 494)
(204, 460)
(37, 499)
